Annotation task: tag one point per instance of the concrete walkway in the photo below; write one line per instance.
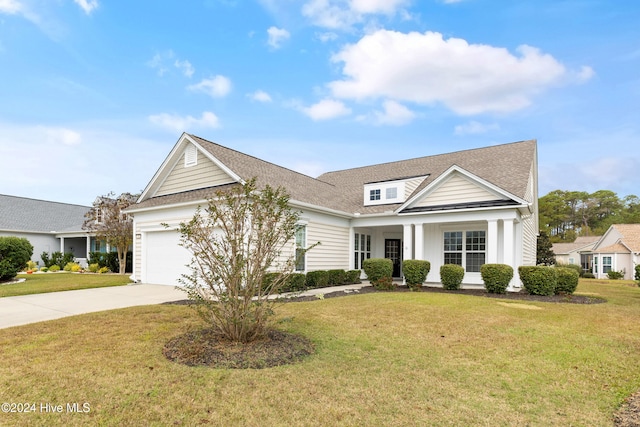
(21, 310)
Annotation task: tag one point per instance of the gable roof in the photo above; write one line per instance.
(581, 243)
(22, 214)
(628, 242)
(507, 166)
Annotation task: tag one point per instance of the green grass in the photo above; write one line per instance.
(385, 359)
(63, 281)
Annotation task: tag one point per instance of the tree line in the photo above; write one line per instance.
(565, 215)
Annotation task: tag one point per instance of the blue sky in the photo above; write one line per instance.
(95, 93)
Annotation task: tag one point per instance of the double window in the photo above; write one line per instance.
(374, 194)
(465, 248)
(606, 264)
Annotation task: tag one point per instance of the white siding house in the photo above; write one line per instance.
(617, 250)
(470, 207)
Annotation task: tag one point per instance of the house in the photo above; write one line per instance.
(49, 226)
(618, 250)
(469, 207)
(576, 252)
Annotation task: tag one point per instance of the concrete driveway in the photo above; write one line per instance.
(25, 309)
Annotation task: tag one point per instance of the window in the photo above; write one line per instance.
(471, 255)
(99, 215)
(374, 194)
(391, 193)
(301, 243)
(191, 156)
(572, 261)
(595, 265)
(606, 264)
(362, 250)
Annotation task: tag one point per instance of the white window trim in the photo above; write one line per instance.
(464, 229)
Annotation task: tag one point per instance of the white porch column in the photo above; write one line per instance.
(88, 247)
(492, 241)
(351, 248)
(419, 231)
(508, 243)
(407, 242)
(62, 245)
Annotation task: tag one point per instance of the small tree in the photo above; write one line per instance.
(544, 253)
(240, 236)
(15, 252)
(107, 221)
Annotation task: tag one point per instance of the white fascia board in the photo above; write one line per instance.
(169, 206)
(161, 170)
(488, 208)
(475, 178)
(216, 161)
(311, 207)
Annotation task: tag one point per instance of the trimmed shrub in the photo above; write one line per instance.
(103, 270)
(296, 282)
(615, 275)
(638, 272)
(576, 267)
(415, 272)
(32, 265)
(317, 279)
(451, 276)
(567, 280)
(377, 268)
(353, 277)
(336, 277)
(44, 269)
(54, 268)
(72, 266)
(496, 277)
(539, 279)
(588, 275)
(94, 267)
(15, 252)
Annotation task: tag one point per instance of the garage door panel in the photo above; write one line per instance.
(165, 259)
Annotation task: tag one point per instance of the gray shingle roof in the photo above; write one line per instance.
(23, 214)
(507, 166)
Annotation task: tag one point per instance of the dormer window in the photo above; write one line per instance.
(391, 193)
(374, 194)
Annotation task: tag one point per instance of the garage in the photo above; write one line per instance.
(165, 260)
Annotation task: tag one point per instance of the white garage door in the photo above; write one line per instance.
(165, 259)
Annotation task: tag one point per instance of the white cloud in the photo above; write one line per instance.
(61, 136)
(474, 128)
(425, 68)
(326, 109)
(326, 36)
(277, 36)
(394, 114)
(585, 74)
(342, 14)
(216, 86)
(87, 5)
(10, 7)
(184, 66)
(158, 62)
(184, 123)
(260, 96)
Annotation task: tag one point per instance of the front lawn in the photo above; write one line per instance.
(63, 281)
(382, 359)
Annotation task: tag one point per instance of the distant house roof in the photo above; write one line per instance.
(507, 166)
(582, 243)
(22, 214)
(629, 242)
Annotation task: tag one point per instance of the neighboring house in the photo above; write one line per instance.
(49, 226)
(469, 208)
(618, 250)
(577, 252)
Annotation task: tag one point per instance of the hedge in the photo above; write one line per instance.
(496, 277)
(336, 277)
(14, 254)
(415, 272)
(567, 280)
(353, 277)
(638, 272)
(377, 268)
(539, 280)
(317, 279)
(451, 276)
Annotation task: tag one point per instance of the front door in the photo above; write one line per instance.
(393, 251)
